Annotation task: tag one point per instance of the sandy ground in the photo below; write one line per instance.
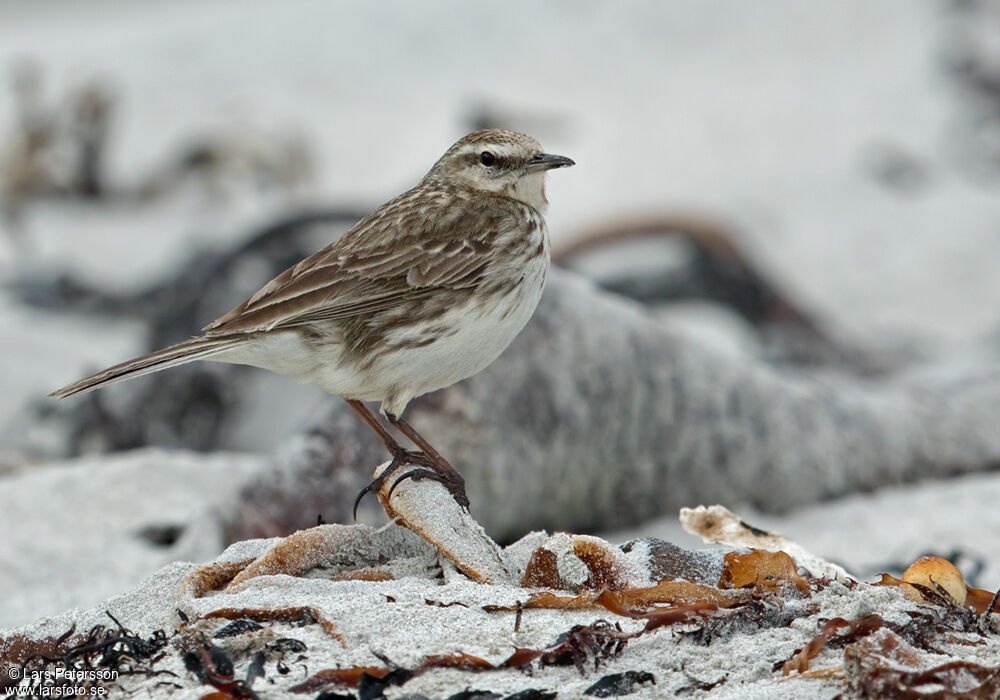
(303, 619)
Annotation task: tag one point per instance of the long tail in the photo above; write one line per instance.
(188, 351)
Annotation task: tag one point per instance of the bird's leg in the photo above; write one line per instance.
(400, 456)
(440, 471)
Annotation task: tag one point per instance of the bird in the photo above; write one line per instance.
(427, 290)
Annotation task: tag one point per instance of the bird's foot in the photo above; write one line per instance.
(451, 480)
(427, 469)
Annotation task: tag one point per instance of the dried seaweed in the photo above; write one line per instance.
(675, 615)
(759, 612)
(212, 666)
(542, 571)
(799, 661)
(469, 694)
(762, 570)
(605, 568)
(103, 648)
(678, 592)
(982, 601)
(350, 677)
(769, 551)
(366, 677)
(666, 561)
(619, 684)
(532, 694)
(238, 627)
(924, 629)
(212, 577)
(677, 602)
(296, 616)
(331, 695)
(372, 687)
(955, 679)
(632, 602)
(286, 645)
(941, 613)
(598, 641)
(687, 602)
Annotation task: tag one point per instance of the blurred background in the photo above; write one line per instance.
(160, 161)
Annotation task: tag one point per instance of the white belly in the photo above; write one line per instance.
(477, 339)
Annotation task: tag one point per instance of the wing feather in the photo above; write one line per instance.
(376, 266)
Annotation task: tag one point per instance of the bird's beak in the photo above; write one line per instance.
(547, 161)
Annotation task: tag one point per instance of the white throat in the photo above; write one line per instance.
(530, 189)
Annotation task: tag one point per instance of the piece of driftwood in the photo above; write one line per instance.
(719, 525)
(601, 416)
(420, 505)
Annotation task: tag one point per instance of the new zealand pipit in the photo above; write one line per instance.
(425, 291)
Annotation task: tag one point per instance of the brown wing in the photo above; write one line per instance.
(411, 247)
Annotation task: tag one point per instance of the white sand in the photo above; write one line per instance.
(72, 531)
(411, 619)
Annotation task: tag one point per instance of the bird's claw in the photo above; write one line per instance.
(451, 481)
(427, 469)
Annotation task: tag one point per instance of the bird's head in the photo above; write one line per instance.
(500, 162)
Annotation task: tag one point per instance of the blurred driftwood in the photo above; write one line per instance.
(190, 406)
(601, 416)
(718, 270)
(180, 303)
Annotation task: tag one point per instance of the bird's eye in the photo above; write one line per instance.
(487, 159)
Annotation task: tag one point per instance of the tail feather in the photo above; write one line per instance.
(188, 351)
